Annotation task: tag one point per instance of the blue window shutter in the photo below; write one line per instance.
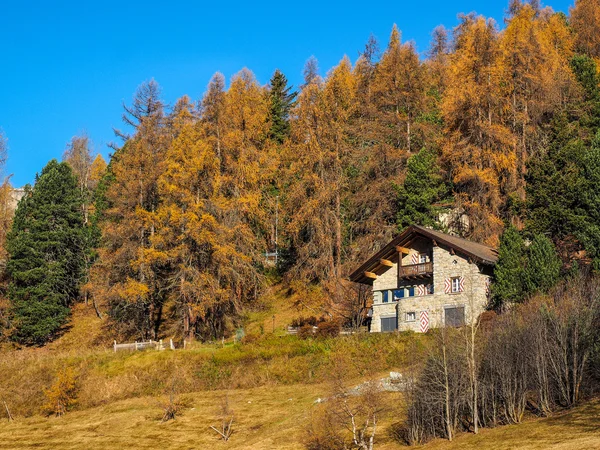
(398, 294)
(386, 297)
(411, 291)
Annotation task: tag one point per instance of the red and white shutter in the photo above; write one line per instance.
(448, 286)
(461, 282)
(424, 322)
(421, 289)
(414, 259)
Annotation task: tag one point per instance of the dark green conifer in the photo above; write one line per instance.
(46, 247)
(590, 233)
(423, 187)
(509, 271)
(543, 265)
(282, 100)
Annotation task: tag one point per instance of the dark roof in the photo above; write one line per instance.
(479, 253)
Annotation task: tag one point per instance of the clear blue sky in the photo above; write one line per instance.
(67, 66)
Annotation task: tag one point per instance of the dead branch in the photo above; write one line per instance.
(10, 417)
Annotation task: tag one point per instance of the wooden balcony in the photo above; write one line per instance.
(416, 270)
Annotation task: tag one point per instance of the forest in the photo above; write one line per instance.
(169, 237)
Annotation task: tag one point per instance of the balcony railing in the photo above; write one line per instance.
(416, 270)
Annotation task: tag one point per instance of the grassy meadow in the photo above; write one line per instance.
(270, 381)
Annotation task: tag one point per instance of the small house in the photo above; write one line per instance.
(425, 278)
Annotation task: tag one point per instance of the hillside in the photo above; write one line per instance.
(265, 418)
(271, 383)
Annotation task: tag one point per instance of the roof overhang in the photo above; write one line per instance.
(379, 262)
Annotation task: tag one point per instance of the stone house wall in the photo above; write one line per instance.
(474, 297)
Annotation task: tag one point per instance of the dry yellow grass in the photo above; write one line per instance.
(274, 384)
(265, 418)
(578, 429)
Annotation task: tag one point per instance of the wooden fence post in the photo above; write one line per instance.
(171, 344)
(115, 346)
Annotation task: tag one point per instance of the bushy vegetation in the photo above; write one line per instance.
(538, 357)
(30, 379)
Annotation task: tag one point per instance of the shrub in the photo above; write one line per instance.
(62, 395)
(306, 331)
(323, 432)
(328, 329)
(312, 321)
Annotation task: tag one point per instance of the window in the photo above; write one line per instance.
(386, 296)
(389, 323)
(411, 291)
(411, 316)
(454, 316)
(398, 294)
(423, 258)
(429, 288)
(456, 285)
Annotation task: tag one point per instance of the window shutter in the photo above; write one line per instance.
(447, 286)
(461, 282)
(414, 259)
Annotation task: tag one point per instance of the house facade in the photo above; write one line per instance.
(425, 279)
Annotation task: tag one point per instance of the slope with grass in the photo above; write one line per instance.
(271, 381)
(264, 418)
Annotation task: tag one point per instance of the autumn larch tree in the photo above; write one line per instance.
(317, 175)
(126, 278)
(585, 20)
(478, 150)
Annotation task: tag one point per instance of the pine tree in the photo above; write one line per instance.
(47, 254)
(423, 187)
(555, 188)
(281, 101)
(543, 265)
(509, 270)
(590, 234)
(586, 72)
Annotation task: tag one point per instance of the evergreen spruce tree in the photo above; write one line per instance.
(586, 73)
(282, 99)
(46, 247)
(543, 265)
(590, 233)
(555, 186)
(509, 270)
(422, 188)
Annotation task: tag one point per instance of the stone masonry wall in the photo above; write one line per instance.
(445, 265)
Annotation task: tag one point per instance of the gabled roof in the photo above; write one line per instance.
(479, 253)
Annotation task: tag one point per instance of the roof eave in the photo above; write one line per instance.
(358, 275)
